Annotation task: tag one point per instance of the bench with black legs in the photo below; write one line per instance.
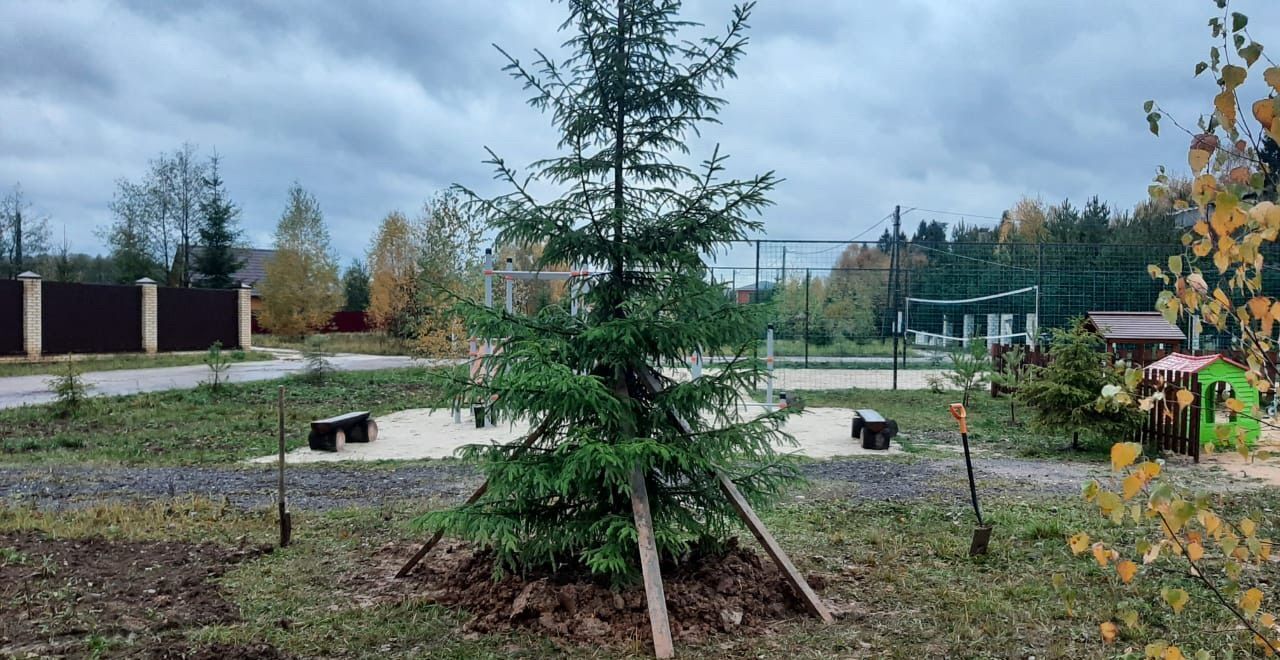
(333, 433)
(873, 429)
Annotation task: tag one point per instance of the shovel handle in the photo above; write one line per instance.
(958, 411)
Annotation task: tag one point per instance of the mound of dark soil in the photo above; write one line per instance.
(54, 593)
(736, 592)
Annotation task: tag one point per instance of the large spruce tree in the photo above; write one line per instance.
(633, 90)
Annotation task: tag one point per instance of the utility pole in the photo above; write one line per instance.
(893, 288)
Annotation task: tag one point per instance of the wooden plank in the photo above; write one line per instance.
(650, 569)
(475, 497)
(775, 551)
(749, 518)
(435, 538)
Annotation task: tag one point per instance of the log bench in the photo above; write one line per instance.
(873, 429)
(334, 433)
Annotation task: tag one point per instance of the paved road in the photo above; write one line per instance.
(28, 390)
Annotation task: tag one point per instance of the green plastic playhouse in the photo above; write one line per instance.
(1220, 378)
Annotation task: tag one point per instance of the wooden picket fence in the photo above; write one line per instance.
(1170, 427)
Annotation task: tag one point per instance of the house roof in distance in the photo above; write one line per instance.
(1139, 326)
(255, 265)
(1190, 363)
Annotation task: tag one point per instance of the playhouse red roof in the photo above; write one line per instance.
(1190, 363)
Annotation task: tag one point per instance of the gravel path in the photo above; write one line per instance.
(327, 486)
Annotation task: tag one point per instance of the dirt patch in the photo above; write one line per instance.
(210, 652)
(740, 593)
(56, 593)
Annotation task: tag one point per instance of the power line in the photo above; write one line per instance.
(955, 213)
(872, 227)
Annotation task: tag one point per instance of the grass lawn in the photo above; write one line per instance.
(367, 343)
(924, 415)
(898, 574)
(129, 361)
(200, 426)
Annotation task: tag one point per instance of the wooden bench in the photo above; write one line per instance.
(873, 429)
(334, 433)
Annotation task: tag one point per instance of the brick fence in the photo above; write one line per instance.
(55, 318)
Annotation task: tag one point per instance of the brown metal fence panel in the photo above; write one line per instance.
(11, 317)
(192, 319)
(1170, 427)
(90, 318)
(1030, 357)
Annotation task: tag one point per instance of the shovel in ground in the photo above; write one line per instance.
(981, 533)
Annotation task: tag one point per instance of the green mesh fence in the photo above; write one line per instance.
(838, 307)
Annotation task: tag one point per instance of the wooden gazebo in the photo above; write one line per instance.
(1139, 337)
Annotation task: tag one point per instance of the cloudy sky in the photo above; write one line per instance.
(860, 105)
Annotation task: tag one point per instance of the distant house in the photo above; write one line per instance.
(747, 293)
(252, 271)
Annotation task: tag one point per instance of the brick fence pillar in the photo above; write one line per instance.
(245, 310)
(32, 309)
(150, 324)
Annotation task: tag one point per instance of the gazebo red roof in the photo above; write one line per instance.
(1190, 363)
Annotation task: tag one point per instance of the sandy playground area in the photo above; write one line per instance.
(432, 433)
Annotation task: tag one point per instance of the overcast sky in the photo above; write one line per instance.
(954, 106)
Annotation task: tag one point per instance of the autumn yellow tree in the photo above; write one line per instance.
(393, 269)
(1219, 278)
(450, 266)
(301, 289)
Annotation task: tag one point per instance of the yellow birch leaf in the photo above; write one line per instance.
(1203, 247)
(1248, 527)
(1108, 501)
(1225, 104)
(1251, 600)
(1221, 296)
(1150, 469)
(1198, 159)
(1259, 307)
(1132, 485)
(1126, 569)
(1100, 554)
(1175, 264)
(1195, 551)
(1201, 227)
(1123, 454)
(1109, 631)
(1155, 272)
(1172, 653)
(1236, 405)
(1185, 398)
(1153, 553)
(1272, 76)
(1223, 261)
(1176, 598)
(1267, 620)
(1212, 523)
(1079, 543)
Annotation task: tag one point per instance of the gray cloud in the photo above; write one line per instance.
(375, 106)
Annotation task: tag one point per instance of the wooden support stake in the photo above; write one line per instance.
(484, 487)
(286, 520)
(749, 518)
(435, 538)
(779, 556)
(663, 647)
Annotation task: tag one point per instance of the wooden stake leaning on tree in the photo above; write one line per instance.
(753, 523)
(650, 569)
(475, 497)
